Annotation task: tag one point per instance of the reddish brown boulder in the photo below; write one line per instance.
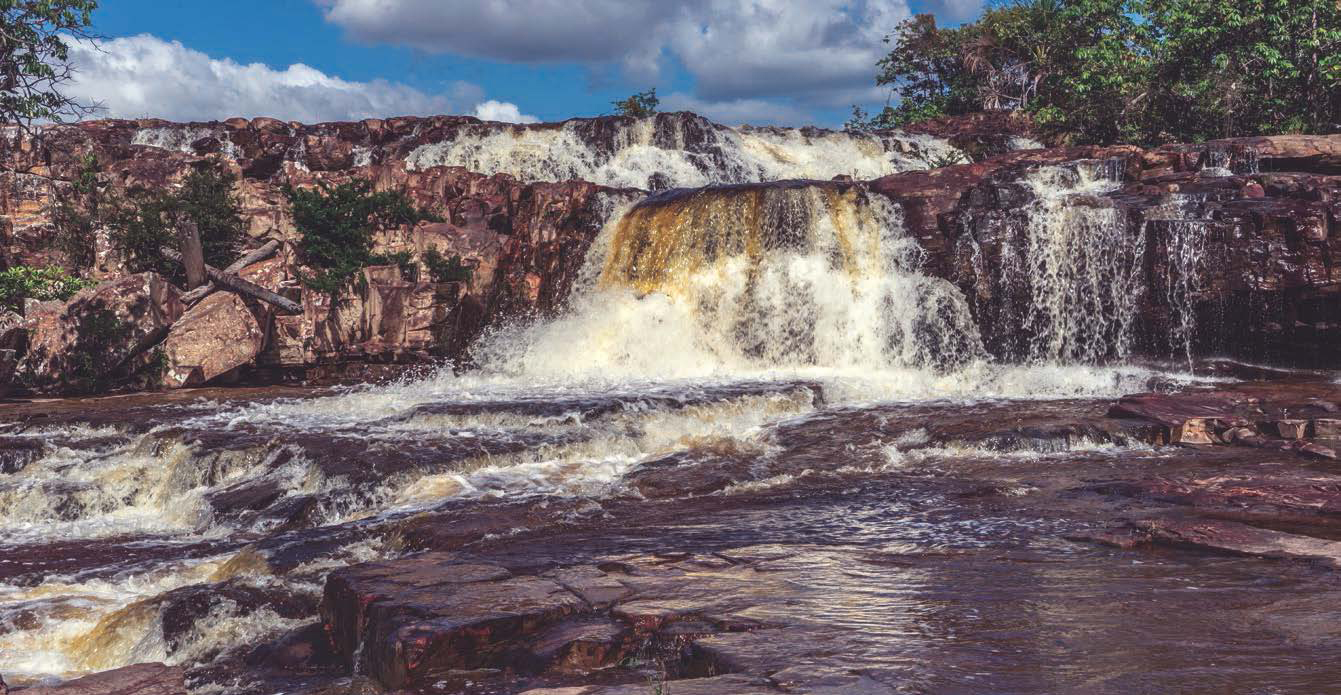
(423, 616)
(140, 679)
(92, 338)
(212, 338)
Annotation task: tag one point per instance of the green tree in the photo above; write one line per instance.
(1246, 67)
(35, 58)
(639, 105)
(144, 222)
(1143, 71)
(337, 223)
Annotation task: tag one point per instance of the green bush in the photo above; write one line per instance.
(639, 105)
(336, 226)
(1140, 71)
(445, 269)
(141, 222)
(146, 221)
(25, 282)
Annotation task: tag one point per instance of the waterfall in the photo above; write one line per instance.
(1075, 267)
(675, 150)
(747, 279)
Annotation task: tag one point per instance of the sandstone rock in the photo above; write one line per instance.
(212, 338)
(86, 343)
(1228, 536)
(1327, 428)
(433, 613)
(1291, 429)
(140, 679)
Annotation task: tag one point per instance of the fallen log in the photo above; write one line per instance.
(241, 286)
(265, 251)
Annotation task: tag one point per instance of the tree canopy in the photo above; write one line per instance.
(1141, 71)
(35, 58)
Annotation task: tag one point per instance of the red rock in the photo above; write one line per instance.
(1291, 429)
(98, 331)
(1232, 537)
(212, 338)
(141, 679)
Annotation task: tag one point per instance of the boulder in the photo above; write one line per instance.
(415, 619)
(140, 679)
(88, 342)
(212, 338)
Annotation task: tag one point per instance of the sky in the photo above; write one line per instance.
(787, 62)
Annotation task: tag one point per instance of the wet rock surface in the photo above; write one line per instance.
(883, 548)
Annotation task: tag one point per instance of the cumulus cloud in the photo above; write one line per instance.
(504, 111)
(815, 52)
(736, 111)
(145, 76)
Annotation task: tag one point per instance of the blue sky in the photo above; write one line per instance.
(782, 61)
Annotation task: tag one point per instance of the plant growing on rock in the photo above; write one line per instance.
(447, 269)
(43, 284)
(337, 223)
(75, 216)
(144, 222)
(639, 105)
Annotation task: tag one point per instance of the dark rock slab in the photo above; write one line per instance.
(421, 617)
(1242, 539)
(140, 679)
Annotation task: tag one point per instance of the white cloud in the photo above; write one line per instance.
(504, 111)
(816, 53)
(736, 111)
(145, 76)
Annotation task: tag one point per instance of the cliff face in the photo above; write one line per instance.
(1229, 247)
(1065, 253)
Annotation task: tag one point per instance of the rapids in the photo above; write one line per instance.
(782, 337)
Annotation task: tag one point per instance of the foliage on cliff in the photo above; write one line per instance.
(337, 223)
(1141, 71)
(638, 105)
(35, 58)
(25, 282)
(141, 222)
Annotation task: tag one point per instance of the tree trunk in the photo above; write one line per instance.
(193, 252)
(242, 286)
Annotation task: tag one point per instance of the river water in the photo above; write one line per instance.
(762, 368)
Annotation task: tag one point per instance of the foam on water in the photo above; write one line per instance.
(677, 151)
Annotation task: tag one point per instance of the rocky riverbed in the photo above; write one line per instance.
(747, 537)
(720, 410)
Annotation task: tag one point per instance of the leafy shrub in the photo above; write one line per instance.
(445, 269)
(145, 222)
(639, 105)
(337, 223)
(24, 282)
(75, 216)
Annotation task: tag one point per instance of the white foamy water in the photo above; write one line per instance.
(681, 300)
(674, 151)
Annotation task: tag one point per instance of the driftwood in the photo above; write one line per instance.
(265, 251)
(193, 253)
(241, 286)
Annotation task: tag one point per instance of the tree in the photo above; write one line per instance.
(337, 223)
(35, 58)
(144, 222)
(1142, 71)
(639, 105)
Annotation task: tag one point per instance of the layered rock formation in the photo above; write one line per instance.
(1226, 247)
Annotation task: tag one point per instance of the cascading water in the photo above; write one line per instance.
(1076, 266)
(700, 321)
(746, 280)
